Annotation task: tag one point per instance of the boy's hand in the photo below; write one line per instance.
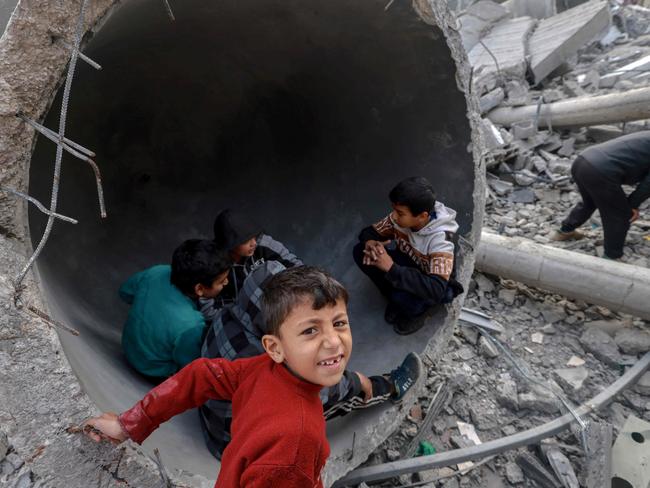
(384, 262)
(372, 251)
(105, 427)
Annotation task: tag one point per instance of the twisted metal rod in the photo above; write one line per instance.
(38, 205)
(59, 149)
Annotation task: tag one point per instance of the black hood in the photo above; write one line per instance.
(232, 229)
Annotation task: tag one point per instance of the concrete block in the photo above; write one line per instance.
(559, 37)
(571, 379)
(524, 129)
(631, 454)
(491, 99)
(507, 43)
(537, 9)
(633, 341)
(601, 345)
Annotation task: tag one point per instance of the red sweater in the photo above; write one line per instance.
(278, 429)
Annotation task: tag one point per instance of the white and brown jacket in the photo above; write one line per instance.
(430, 249)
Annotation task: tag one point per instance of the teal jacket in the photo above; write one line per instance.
(164, 328)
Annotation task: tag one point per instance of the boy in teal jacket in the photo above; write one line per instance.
(164, 329)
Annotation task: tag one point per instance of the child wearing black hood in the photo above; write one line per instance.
(249, 247)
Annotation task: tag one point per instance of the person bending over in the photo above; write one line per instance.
(164, 329)
(409, 255)
(599, 171)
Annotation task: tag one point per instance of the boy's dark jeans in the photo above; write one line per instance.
(406, 304)
(599, 192)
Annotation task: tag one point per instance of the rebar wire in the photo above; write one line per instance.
(169, 10)
(68, 146)
(523, 369)
(59, 149)
(53, 136)
(494, 58)
(38, 205)
(82, 56)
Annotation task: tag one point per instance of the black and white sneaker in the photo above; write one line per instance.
(406, 375)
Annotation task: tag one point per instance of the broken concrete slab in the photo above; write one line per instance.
(487, 349)
(630, 454)
(562, 468)
(610, 327)
(505, 44)
(559, 37)
(601, 345)
(536, 471)
(571, 379)
(478, 19)
(632, 340)
(575, 361)
(524, 129)
(538, 402)
(537, 9)
(514, 474)
(506, 392)
(491, 99)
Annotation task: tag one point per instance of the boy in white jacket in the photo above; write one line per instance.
(409, 254)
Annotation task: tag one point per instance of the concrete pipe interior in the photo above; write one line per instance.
(302, 114)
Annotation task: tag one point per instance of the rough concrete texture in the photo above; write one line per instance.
(477, 20)
(559, 37)
(631, 456)
(507, 43)
(40, 395)
(537, 9)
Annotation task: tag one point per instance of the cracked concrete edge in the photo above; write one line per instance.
(437, 14)
(34, 415)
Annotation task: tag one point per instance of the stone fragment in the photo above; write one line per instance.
(643, 385)
(571, 379)
(545, 403)
(601, 345)
(567, 148)
(15, 460)
(611, 327)
(508, 295)
(484, 283)
(522, 195)
(24, 480)
(537, 338)
(491, 100)
(466, 353)
(392, 454)
(514, 474)
(517, 93)
(524, 129)
(525, 178)
(549, 329)
(506, 392)
(575, 361)
(487, 349)
(500, 187)
(470, 334)
(633, 340)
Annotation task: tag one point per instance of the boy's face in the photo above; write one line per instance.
(246, 249)
(314, 344)
(403, 217)
(214, 289)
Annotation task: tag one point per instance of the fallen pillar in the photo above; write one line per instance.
(615, 285)
(581, 111)
(525, 438)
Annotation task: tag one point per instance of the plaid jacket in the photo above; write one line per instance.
(235, 333)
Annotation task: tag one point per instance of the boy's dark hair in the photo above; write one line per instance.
(197, 261)
(416, 193)
(290, 287)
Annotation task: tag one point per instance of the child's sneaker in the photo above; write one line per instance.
(405, 376)
(406, 326)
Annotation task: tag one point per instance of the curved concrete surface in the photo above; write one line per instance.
(301, 113)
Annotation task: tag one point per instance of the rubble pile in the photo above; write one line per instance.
(576, 349)
(596, 48)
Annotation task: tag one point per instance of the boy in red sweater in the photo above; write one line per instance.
(278, 429)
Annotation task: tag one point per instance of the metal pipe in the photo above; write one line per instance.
(617, 286)
(525, 438)
(581, 111)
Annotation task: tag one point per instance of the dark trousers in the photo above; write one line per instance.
(406, 304)
(599, 192)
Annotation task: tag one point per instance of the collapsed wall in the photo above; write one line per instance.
(301, 114)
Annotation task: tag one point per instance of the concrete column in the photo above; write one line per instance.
(612, 284)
